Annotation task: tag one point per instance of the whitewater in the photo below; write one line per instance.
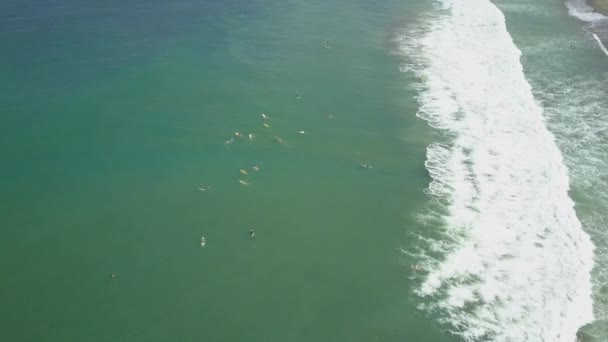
(505, 257)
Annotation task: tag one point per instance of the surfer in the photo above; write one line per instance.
(366, 166)
(302, 132)
(204, 188)
(298, 96)
(203, 241)
(417, 267)
(326, 44)
(255, 168)
(264, 116)
(252, 233)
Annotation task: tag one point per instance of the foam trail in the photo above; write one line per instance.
(517, 265)
(597, 39)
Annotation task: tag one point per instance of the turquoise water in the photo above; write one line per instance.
(114, 114)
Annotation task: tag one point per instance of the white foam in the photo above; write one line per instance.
(581, 10)
(576, 108)
(518, 265)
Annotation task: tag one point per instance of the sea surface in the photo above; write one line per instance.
(129, 130)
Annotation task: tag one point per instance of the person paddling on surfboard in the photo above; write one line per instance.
(252, 233)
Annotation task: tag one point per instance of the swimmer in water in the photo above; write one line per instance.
(366, 166)
(264, 116)
(329, 116)
(252, 233)
(417, 267)
(255, 168)
(278, 139)
(113, 276)
(203, 241)
(243, 182)
(237, 134)
(204, 188)
(326, 44)
(250, 136)
(298, 96)
(229, 141)
(302, 132)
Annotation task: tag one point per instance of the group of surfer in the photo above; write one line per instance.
(278, 139)
(250, 137)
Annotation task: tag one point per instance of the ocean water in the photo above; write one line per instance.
(481, 219)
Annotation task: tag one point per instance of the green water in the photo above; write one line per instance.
(113, 115)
